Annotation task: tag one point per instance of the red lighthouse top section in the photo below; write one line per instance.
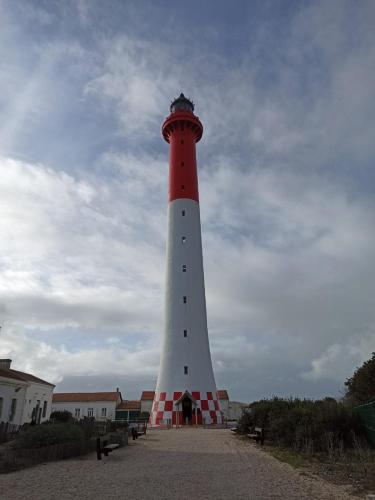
(182, 129)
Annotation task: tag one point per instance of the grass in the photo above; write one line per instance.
(292, 458)
(356, 469)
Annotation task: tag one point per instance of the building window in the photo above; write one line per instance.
(44, 412)
(182, 187)
(77, 413)
(13, 408)
(183, 213)
(183, 239)
(90, 412)
(186, 370)
(104, 412)
(185, 333)
(1, 406)
(185, 299)
(184, 268)
(182, 164)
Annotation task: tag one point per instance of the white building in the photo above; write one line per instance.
(235, 410)
(100, 405)
(232, 409)
(129, 411)
(223, 397)
(23, 397)
(147, 398)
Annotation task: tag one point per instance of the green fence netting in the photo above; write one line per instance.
(366, 413)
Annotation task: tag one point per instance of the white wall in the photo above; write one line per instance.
(178, 351)
(232, 409)
(84, 407)
(36, 395)
(235, 410)
(146, 406)
(12, 389)
(224, 403)
(27, 395)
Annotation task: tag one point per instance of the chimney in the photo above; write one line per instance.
(5, 363)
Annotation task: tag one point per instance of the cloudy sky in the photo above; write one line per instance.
(285, 90)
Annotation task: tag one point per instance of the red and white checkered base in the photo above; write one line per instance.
(206, 411)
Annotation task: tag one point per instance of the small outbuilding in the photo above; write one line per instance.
(98, 405)
(147, 398)
(128, 411)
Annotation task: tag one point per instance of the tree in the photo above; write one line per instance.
(361, 386)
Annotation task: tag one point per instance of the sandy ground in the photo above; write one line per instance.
(172, 464)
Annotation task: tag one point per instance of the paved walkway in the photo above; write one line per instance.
(179, 464)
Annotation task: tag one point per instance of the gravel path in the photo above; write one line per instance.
(175, 464)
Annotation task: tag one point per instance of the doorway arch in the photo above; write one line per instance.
(186, 407)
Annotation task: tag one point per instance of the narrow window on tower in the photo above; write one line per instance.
(184, 268)
(183, 239)
(182, 164)
(185, 299)
(186, 370)
(182, 188)
(183, 213)
(185, 333)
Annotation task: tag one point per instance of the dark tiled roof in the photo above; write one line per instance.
(24, 377)
(129, 405)
(81, 397)
(223, 394)
(147, 395)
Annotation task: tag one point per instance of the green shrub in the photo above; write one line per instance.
(45, 435)
(89, 427)
(304, 425)
(61, 416)
(118, 425)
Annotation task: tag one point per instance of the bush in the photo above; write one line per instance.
(118, 426)
(89, 427)
(61, 416)
(45, 435)
(304, 425)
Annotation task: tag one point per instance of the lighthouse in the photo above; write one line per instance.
(186, 391)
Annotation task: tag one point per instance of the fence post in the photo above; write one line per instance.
(98, 449)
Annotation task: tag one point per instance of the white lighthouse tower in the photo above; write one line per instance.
(186, 390)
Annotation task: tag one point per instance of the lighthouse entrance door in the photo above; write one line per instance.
(187, 410)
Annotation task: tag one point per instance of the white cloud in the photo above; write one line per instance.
(339, 361)
(133, 78)
(53, 363)
(284, 183)
(67, 254)
(68, 262)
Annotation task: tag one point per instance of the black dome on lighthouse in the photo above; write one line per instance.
(182, 103)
